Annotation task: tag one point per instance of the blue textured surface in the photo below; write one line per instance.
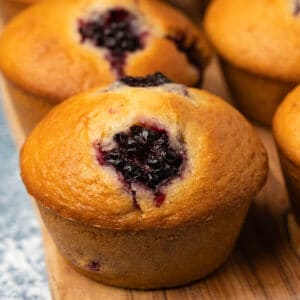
(22, 267)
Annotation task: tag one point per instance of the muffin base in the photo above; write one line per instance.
(292, 178)
(147, 259)
(28, 108)
(257, 97)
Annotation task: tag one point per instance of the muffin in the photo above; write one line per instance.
(286, 129)
(258, 43)
(144, 184)
(65, 47)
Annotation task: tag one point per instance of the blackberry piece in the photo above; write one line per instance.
(94, 266)
(115, 31)
(155, 79)
(144, 156)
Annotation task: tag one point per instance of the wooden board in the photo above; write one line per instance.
(262, 266)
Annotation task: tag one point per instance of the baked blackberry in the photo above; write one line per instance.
(144, 156)
(155, 79)
(115, 31)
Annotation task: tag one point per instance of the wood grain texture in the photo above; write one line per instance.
(262, 266)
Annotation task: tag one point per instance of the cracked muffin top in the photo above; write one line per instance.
(261, 36)
(143, 153)
(57, 48)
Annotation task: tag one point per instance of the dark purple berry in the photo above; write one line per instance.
(143, 155)
(190, 52)
(155, 79)
(94, 266)
(115, 31)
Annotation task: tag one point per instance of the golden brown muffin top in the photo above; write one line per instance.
(68, 162)
(286, 126)
(261, 36)
(58, 48)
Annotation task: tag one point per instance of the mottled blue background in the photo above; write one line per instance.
(22, 267)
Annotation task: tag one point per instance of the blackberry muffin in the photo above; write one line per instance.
(286, 129)
(65, 47)
(258, 43)
(146, 183)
